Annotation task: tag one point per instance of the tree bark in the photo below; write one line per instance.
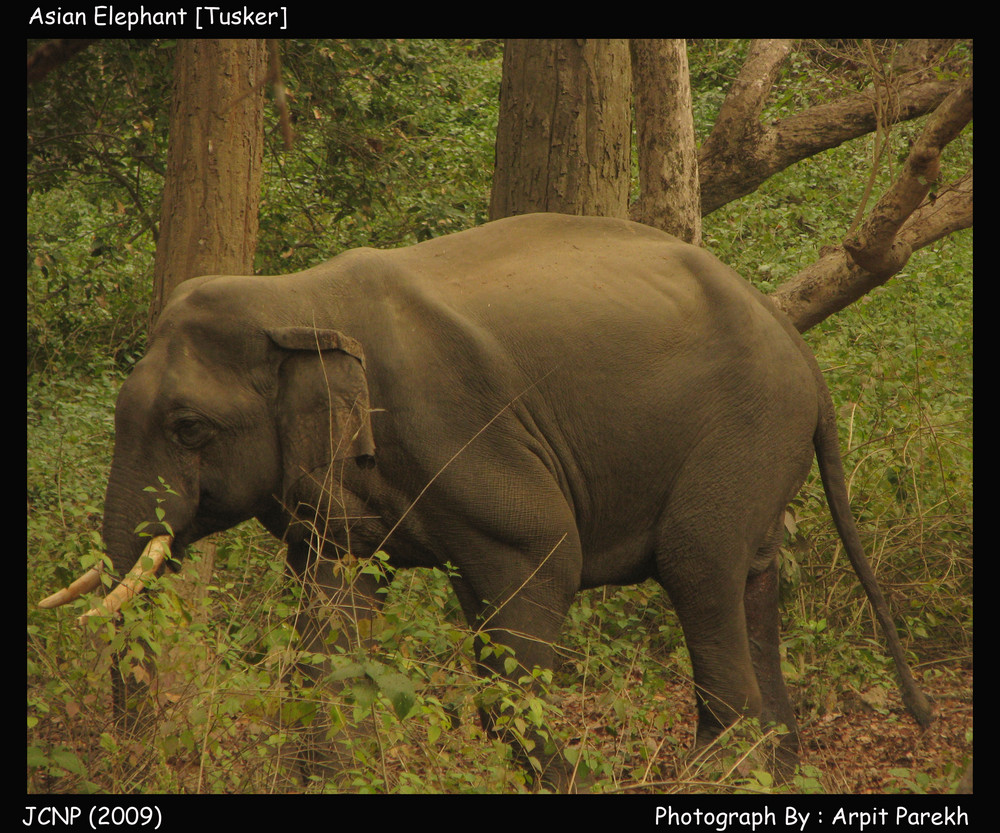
(564, 135)
(209, 218)
(669, 190)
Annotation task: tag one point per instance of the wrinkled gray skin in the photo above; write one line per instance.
(548, 403)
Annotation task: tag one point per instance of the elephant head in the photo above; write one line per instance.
(226, 418)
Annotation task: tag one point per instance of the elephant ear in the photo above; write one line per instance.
(323, 409)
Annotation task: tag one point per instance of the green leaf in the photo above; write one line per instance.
(395, 686)
(36, 757)
(68, 761)
(345, 672)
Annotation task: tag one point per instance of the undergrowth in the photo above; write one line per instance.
(236, 713)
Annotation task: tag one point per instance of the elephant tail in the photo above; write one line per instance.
(831, 470)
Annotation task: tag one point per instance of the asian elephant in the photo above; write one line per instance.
(548, 403)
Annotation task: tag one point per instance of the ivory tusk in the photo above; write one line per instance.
(90, 580)
(157, 549)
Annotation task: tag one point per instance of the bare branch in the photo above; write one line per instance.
(876, 247)
(748, 95)
(916, 54)
(950, 209)
(738, 157)
(738, 124)
(836, 280)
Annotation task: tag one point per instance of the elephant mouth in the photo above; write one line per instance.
(157, 551)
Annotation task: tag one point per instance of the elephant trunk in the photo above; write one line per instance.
(136, 509)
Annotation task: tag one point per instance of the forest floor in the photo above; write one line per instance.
(859, 746)
(865, 743)
(858, 749)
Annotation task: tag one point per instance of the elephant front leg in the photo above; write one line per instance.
(134, 709)
(339, 601)
(334, 620)
(519, 639)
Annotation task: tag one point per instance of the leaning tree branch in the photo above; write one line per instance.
(741, 152)
(909, 215)
(950, 210)
(739, 115)
(876, 247)
(836, 281)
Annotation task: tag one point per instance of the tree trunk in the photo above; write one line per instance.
(669, 190)
(208, 221)
(564, 135)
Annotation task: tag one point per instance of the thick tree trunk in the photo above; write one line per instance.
(669, 190)
(208, 221)
(564, 136)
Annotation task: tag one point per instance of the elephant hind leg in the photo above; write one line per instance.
(710, 609)
(702, 562)
(760, 601)
(727, 603)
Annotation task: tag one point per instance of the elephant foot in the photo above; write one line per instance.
(535, 755)
(741, 748)
(329, 740)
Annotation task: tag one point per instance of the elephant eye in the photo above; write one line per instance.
(190, 431)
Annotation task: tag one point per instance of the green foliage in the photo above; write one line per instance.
(83, 295)
(394, 144)
(96, 156)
